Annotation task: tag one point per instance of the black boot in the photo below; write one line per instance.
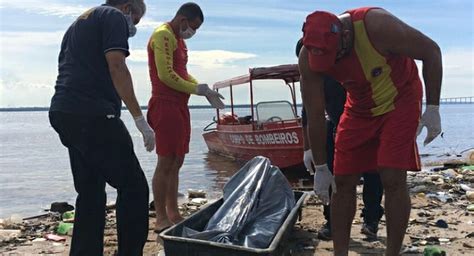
(370, 229)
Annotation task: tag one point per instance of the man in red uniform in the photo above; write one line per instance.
(371, 53)
(168, 112)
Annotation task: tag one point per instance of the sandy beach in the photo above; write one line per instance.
(437, 197)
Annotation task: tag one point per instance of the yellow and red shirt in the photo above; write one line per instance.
(167, 60)
(375, 83)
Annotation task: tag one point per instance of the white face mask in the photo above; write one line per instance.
(132, 30)
(187, 33)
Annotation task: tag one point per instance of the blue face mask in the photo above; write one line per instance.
(132, 30)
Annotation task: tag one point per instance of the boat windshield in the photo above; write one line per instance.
(274, 111)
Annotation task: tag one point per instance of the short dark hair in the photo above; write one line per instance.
(138, 6)
(116, 2)
(191, 11)
(299, 45)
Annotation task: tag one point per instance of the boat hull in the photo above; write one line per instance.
(283, 146)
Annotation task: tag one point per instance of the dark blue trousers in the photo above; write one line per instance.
(100, 152)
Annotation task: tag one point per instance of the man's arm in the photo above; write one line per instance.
(124, 86)
(313, 100)
(312, 91)
(307, 153)
(123, 81)
(163, 44)
(304, 124)
(390, 35)
(192, 79)
(305, 138)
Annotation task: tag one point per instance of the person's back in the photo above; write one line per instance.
(84, 85)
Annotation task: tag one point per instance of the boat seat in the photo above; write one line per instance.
(245, 120)
(274, 111)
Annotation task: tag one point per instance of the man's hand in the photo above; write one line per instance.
(122, 80)
(308, 161)
(323, 180)
(147, 133)
(432, 121)
(212, 96)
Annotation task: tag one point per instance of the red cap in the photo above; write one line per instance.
(321, 30)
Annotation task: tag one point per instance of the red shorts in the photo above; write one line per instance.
(366, 144)
(172, 126)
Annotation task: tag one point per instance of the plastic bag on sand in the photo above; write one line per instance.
(257, 199)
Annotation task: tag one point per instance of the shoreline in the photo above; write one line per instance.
(434, 162)
(427, 166)
(436, 195)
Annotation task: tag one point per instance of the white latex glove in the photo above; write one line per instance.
(323, 180)
(432, 121)
(308, 161)
(147, 133)
(212, 96)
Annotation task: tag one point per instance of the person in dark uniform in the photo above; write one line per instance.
(335, 97)
(93, 80)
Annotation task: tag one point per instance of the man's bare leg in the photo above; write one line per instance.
(160, 184)
(397, 208)
(343, 207)
(172, 194)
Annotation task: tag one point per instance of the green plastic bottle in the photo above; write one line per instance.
(433, 251)
(64, 228)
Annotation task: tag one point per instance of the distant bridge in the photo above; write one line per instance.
(456, 100)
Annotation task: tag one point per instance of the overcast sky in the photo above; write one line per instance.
(236, 35)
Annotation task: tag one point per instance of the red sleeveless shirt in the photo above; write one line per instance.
(375, 83)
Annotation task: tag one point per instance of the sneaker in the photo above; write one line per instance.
(370, 229)
(325, 232)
